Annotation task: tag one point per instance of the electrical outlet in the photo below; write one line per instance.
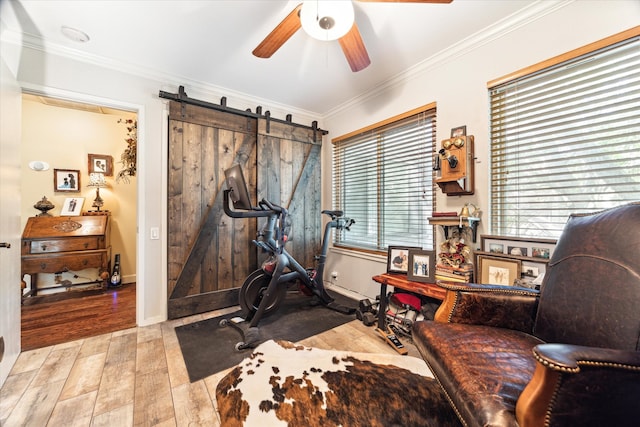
(334, 275)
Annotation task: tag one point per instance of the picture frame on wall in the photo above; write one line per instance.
(422, 266)
(72, 206)
(398, 259)
(498, 271)
(66, 180)
(101, 163)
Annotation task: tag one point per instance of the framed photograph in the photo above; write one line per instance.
(459, 131)
(398, 259)
(530, 271)
(72, 206)
(517, 250)
(544, 253)
(498, 271)
(526, 247)
(101, 163)
(496, 248)
(422, 266)
(66, 180)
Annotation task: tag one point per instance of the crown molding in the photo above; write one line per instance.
(521, 18)
(165, 80)
(501, 28)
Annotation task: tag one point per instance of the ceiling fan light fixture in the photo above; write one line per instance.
(327, 19)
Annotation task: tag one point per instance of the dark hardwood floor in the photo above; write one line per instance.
(60, 318)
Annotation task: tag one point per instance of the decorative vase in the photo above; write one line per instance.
(44, 206)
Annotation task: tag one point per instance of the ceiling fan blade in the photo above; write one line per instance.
(280, 34)
(407, 1)
(354, 49)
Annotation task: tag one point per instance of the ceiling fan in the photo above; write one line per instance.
(326, 20)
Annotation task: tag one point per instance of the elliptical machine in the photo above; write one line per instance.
(264, 289)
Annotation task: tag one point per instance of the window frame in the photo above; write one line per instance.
(373, 132)
(500, 223)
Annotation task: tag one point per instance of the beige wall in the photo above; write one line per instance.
(63, 138)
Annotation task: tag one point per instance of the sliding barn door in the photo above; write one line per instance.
(210, 254)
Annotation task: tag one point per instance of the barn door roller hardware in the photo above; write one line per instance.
(182, 97)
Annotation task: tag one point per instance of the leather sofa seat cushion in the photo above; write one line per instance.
(483, 369)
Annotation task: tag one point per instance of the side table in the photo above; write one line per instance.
(400, 281)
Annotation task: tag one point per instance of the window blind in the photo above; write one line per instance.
(566, 140)
(383, 178)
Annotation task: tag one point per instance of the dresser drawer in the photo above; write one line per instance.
(72, 261)
(64, 245)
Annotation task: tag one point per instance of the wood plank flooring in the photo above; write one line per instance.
(58, 318)
(133, 377)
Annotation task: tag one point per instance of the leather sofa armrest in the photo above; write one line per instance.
(499, 306)
(585, 386)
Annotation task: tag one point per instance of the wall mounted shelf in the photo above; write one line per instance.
(456, 221)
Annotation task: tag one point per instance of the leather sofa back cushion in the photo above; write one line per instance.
(591, 292)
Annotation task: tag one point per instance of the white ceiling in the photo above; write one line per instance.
(209, 42)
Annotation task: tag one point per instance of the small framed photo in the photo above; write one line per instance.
(422, 266)
(459, 131)
(66, 180)
(518, 250)
(101, 163)
(543, 253)
(530, 271)
(496, 248)
(72, 206)
(498, 271)
(398, 259)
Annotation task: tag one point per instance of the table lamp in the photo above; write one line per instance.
(98, 181)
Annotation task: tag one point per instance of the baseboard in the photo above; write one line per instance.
(346, 292)
(129, 278)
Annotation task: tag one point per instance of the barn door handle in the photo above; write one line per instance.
(5, 245)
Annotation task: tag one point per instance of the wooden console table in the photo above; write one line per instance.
(401, 282)
(57, 244)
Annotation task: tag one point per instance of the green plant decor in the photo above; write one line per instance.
(128, 157)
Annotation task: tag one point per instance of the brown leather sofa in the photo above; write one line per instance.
(568, 355)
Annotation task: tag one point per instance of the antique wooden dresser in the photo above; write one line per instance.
(60, 244)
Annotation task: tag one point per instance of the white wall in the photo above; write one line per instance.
(457, 82)
(9, 212)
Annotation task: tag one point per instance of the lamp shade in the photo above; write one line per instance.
(327, 19)
(97, 179)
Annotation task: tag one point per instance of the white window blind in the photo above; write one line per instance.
(566, 140)
(383, 178)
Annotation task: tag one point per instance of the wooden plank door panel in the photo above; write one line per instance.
(210, 254)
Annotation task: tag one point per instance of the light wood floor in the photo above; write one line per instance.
(133, 377)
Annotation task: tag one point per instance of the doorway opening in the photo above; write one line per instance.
(88, 141)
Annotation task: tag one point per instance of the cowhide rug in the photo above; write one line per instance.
(282, 384)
